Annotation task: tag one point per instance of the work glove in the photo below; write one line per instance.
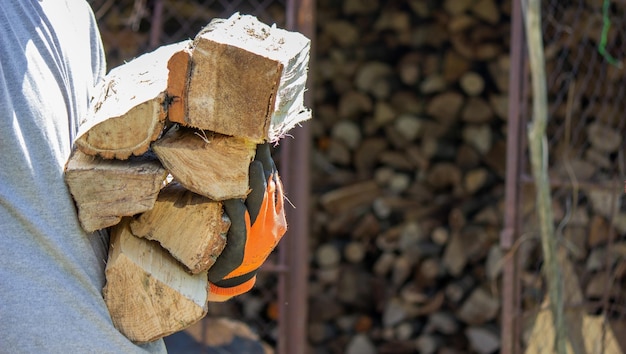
(257, 225)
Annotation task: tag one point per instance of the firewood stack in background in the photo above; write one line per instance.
(411, 106)
(411, 102)
(195, 111)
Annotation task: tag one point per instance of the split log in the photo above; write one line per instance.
(191, 227)
(212, 165)
(247, 79)
(106, 190)
(349, 198)
(483, 340)
(479, 308)
(130, 109)
(148, 294)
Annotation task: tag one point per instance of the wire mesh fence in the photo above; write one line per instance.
(585, 52)
(130, 28)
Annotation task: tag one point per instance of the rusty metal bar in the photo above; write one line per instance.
(510, 330)
(295, 172)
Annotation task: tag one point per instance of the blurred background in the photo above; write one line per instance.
(415, 228)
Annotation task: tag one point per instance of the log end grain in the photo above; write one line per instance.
(106, 190)
(192, 228)
(148, 294)
(129, 134)
(213, 165)
(128, 111)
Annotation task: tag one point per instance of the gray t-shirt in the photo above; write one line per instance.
(51, 271)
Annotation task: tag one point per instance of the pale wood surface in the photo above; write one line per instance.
(106, 190)
(212, 165)
(247, 79)
(191, 227)
(128, 111)
(148, 293)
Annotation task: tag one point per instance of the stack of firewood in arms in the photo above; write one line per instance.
(170, 135)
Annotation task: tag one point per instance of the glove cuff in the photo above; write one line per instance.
(219, 294)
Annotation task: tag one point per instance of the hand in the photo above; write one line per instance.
(257, 225)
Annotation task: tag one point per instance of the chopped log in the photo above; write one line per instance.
(483, 340)
(106, 190)
(440, 235)
(221, 333)
(428, 343)
(444, 175)
(486, 10)
(351, 7)
(479, 136)
(499, 72)
(461, 23)
(500, 105)
(348, 198)
(475, 179)
(213, 165)
(456, 7)
(454, 66)
(479, 308)
(457, 290)
(373, 77)
(432, 84)
(434, 304)
(384, 264)
(472, 83)
(408, 69)
(395, 312)
(477, 110)
(354, 252)
(442, 322)
(192, 228)
(445, 106)
(429, 270)
(328, 256)
(148, 294)
(348, 133)
(247, 79)
(354, 103)
(342, 32)
(360, 344)
(129, 111)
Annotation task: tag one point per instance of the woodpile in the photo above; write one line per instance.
(169, 136)
(411, 110)
(411, 105)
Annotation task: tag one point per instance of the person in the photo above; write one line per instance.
(51, 271)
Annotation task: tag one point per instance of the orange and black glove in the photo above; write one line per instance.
(257, 225)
